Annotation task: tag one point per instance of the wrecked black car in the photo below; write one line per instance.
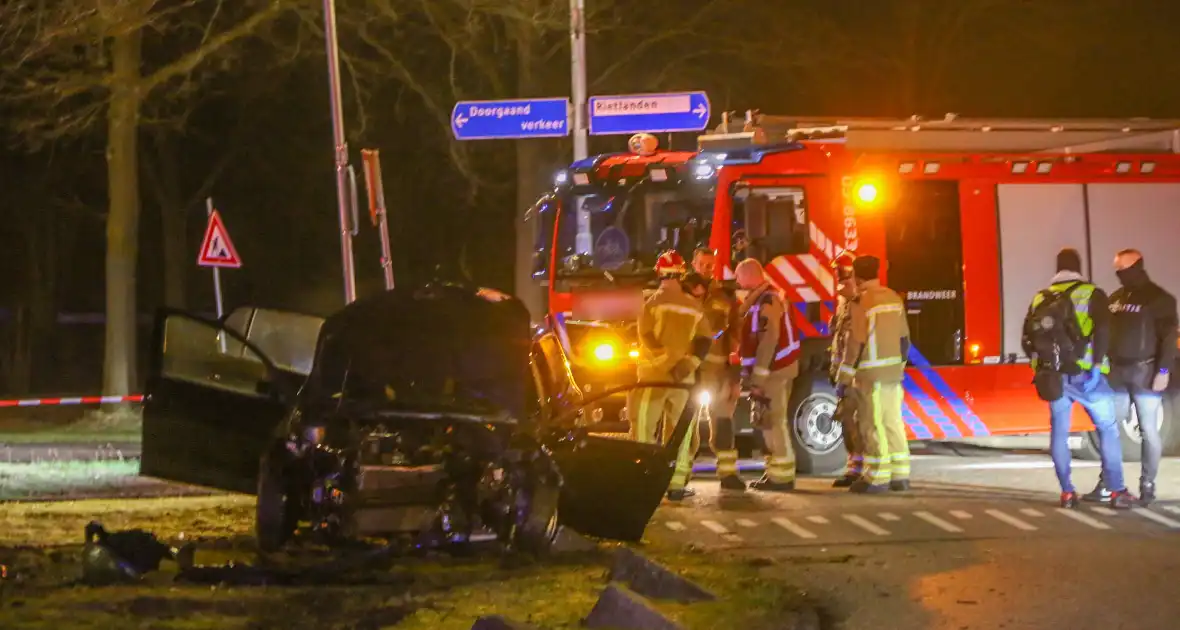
(430, 413)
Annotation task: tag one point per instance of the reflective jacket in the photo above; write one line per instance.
(839, 327)
(721, 315)
(878, 337)
(669, 322)
(767, 342)
(1091, 307)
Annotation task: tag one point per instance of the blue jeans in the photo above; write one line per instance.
(1099, 405)
(1147, 407)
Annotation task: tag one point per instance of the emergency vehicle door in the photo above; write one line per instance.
(924, 251)
(215, 397)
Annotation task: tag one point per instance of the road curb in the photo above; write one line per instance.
(620, 607)
(651, 579)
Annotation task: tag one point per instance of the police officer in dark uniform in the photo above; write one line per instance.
(1142, 353)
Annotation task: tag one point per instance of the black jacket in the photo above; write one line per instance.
(1143, 330)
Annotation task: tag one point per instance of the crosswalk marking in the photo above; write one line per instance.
(1031, 512)
(1159, 518)
(792, 527)
(889, 516)
(818, 520)
(1011, 520)
(745, 522)
(866, 525)
(1174, 509)
(1083, 518)
(961, 515)
(1105, 511)
(675, 526)
(938, 522)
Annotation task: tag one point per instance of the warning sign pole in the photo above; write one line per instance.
(216, 280)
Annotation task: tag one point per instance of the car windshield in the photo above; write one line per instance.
(629, 228)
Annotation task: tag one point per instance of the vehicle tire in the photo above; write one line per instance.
(816, 436)
(1129, 435)
(274, 521)
(1170, 431)
(537, 518)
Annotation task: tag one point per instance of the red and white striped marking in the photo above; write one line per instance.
(79, 400)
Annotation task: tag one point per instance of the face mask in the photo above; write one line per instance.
(1133, 275)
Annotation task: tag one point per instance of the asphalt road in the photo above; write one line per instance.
(979, 544)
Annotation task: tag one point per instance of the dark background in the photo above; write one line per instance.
(256, 134)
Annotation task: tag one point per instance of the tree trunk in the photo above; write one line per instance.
(174, 224)
(529, 164)
(123, 215)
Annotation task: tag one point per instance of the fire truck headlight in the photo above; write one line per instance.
(867, 192)
(561, 178)
(604, 352)
(704, 398)
(634, 354)
(703, 171)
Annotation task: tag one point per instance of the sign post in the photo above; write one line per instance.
(217, 251)
(648, 113)
(377, 213)
(511, 119)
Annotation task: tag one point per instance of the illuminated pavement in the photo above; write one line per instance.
(979, 544)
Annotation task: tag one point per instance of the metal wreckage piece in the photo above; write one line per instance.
(125, 556)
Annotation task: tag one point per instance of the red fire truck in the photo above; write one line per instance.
(967, 215)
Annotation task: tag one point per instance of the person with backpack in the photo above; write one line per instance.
(1066, 335)
(1142, 351)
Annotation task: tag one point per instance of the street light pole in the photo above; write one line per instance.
(578, 75)
(340, 149)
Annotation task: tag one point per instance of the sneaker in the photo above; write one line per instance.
(733, 482)
(1100, 494)
(1069, 499)
(682, 494)
(1146, 492)
(863, 487)
(1122, 500)
(845, 481)
(899, 485)
(766, 485)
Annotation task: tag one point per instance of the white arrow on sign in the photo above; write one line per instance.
(460, 120)
(701, 110)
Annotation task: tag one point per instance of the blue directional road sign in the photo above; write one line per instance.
(518, 118)
(652, 113)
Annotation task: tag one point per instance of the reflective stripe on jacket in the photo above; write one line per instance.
(1082, 297)
(721, 313)
(668, 323)
(840, 327)
(877, 322)
(767, 341)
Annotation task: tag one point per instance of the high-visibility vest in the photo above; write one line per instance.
(1081, 308)
(786, 350)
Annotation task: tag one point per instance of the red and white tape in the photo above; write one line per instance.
(80, 400)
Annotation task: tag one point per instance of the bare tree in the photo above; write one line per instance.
(73, 66)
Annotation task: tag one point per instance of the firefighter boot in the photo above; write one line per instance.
(681, 494)
(899, 485)
(766, 484)
(845, 481)
(733, 482)
(861, 486)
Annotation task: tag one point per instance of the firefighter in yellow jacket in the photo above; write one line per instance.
(673, 337)
(769, 354)
(873, 366)
(717, 379)
(840, 327)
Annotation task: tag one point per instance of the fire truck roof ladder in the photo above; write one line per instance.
(955, 134)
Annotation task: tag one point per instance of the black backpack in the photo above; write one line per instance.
(1052, 335)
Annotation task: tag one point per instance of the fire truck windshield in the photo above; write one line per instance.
(629, 229)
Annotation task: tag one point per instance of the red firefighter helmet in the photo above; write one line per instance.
(670, 264)
(842, 265)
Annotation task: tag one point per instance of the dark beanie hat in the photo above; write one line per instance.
(866, 268)
(1069, 259)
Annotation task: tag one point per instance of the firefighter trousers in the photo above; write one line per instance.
(722, 385)
(882, 431)
(846, 415)
(780, 464)
(652, 411)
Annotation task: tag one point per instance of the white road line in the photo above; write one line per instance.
(1031, 512)
(1159, 518)
(960, 514)
(938, 522)
(719, 529)
(1082, 518)
(1105, 511)
(1011, 520)
(791, 527)
(818, 520)
(889, 516)
(1174, 509)
(745, 522)
(675, 526)
(866, 525)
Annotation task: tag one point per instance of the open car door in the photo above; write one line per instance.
(215, 396)
(612, 486)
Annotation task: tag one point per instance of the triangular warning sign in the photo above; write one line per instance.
(216, 249)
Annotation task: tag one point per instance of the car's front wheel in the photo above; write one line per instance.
(275, 520)
(537, 522)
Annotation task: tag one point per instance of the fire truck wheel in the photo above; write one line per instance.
(1130, 437)
(818, 442)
